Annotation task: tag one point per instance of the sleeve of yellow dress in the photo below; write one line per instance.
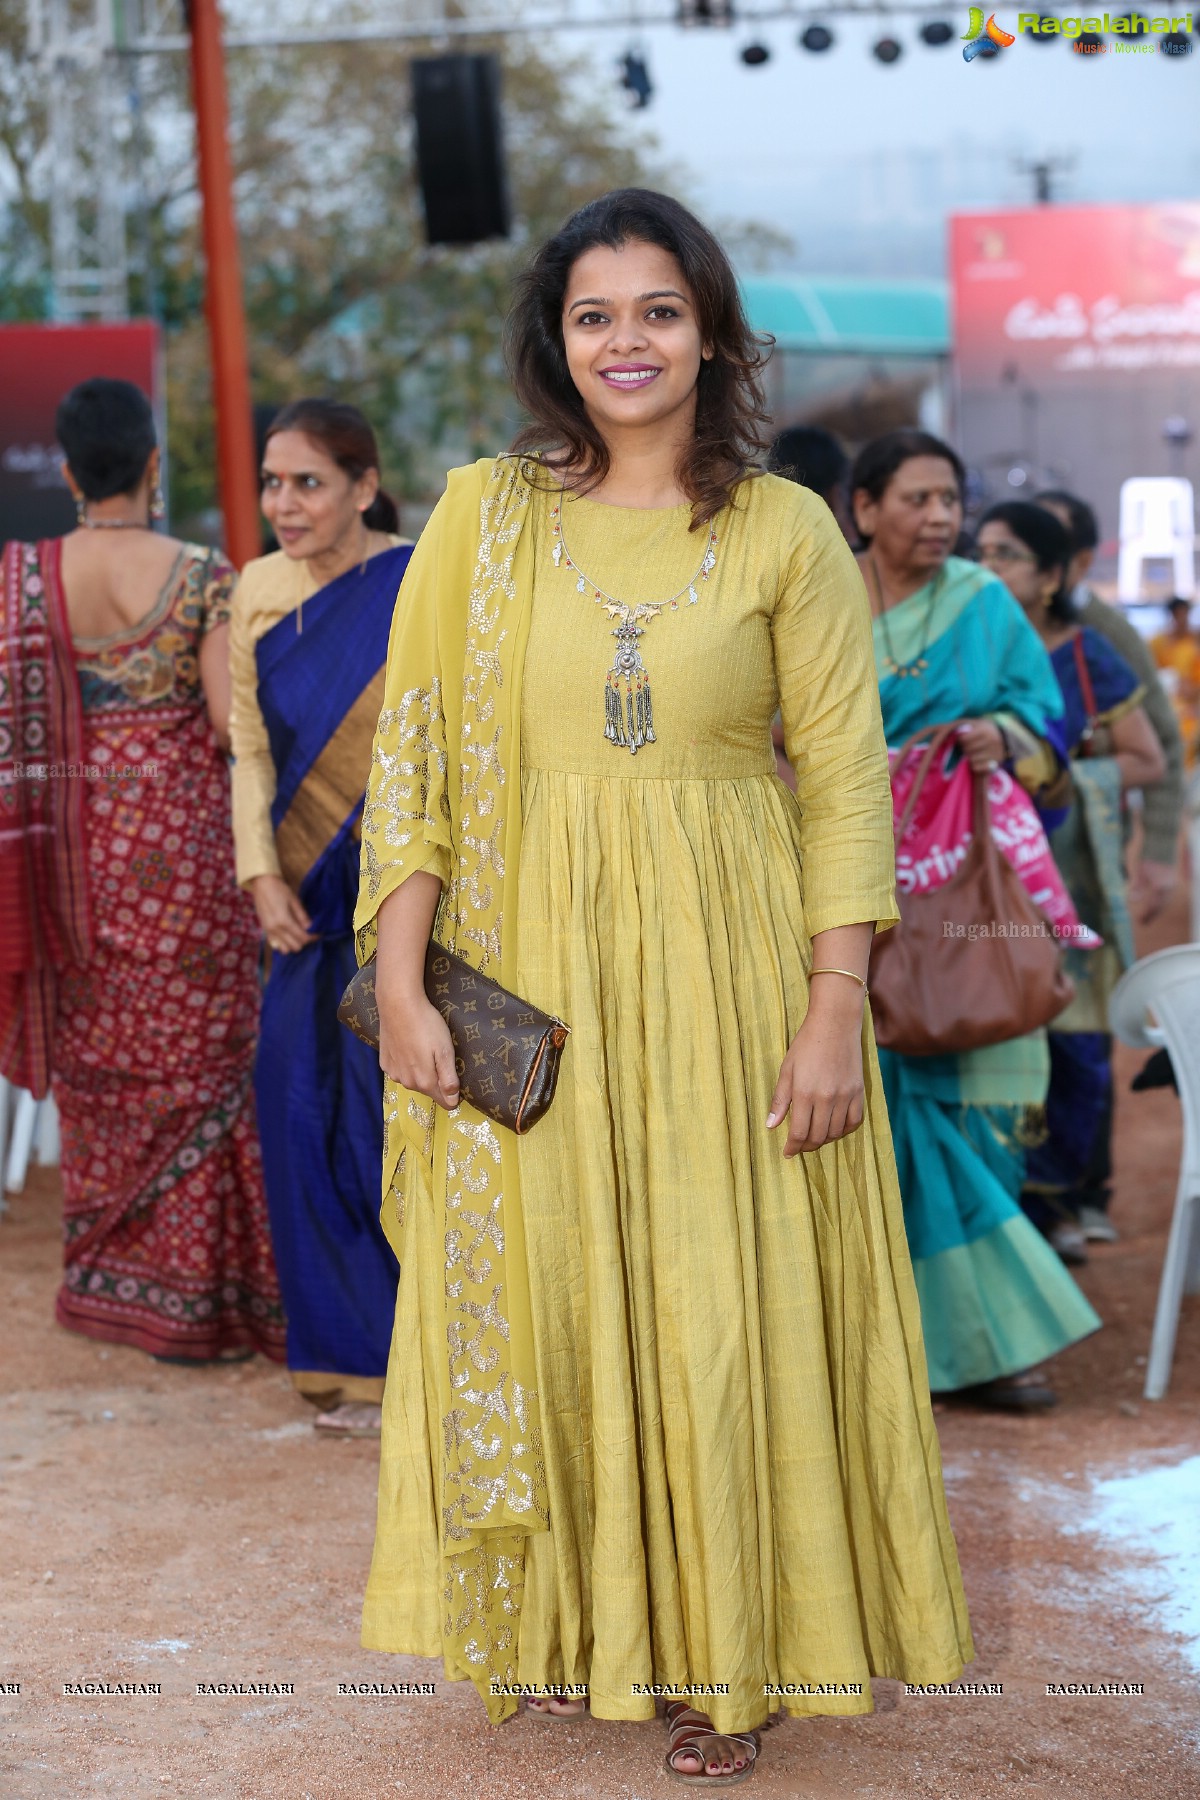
(406, 816)
(253, 765)
(829, 697)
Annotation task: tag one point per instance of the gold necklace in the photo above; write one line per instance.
(920, 662)
(628, 705)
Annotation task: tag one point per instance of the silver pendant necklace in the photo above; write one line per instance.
(628, 704)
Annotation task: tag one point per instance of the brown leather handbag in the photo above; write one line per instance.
(506, 1052)
(975, 961)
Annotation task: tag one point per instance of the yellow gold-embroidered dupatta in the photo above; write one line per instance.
(444, 796)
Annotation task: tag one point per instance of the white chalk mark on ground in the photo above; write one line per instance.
(1150, 1520)
(1155, 1514)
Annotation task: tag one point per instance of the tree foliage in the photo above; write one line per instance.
(25, 221)
(342, 294)
(340, 287)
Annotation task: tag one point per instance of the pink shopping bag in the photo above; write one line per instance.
(939, 833)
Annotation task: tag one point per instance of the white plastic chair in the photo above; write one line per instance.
(1158, 519)
(6, 1093)
(47, 1139)
(29, 1132)
(20, 1143)
(1168, 985)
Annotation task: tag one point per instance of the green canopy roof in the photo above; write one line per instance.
(849, 316)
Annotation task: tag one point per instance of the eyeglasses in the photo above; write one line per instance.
(1003, 554)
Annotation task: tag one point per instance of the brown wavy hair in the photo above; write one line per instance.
(731, 415)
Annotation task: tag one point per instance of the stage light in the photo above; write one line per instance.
(755, 55)
(1138, 26)
(887, 50)
(704, 12)
(1176, 43)
(936, 32)
(635, 79)
(1088, 43)
(816, 37)
(1041, 35)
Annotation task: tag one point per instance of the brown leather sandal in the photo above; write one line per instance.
(352, 1419)
(1023, 1393)
(693, 1731)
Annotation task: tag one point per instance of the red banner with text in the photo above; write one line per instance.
(38, 365)
(1062, 295)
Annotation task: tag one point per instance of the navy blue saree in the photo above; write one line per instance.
(320, 1091)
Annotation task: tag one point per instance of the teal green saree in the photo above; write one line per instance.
(995, 1299)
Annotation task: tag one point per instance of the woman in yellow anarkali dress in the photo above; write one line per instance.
(657, 1422)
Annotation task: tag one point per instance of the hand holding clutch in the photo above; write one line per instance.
(506, 1051)
(415, 1046)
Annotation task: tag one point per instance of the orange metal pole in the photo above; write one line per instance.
(237, 474)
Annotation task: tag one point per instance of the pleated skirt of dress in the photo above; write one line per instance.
(744, 1478)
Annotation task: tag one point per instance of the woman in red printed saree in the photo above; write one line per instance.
(153, 1035)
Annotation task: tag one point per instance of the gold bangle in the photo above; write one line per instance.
(850, 972)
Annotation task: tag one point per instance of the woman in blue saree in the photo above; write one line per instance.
(1113, 747)
(952, 643)
(308, 648)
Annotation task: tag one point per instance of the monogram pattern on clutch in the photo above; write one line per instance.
(506, 1051)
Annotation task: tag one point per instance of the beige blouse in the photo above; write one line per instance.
(268, 589)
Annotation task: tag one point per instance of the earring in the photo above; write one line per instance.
(158, 505)
(80, 510)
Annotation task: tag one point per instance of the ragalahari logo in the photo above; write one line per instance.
(1172, 36)
(984, 40)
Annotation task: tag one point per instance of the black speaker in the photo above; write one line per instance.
(460, 151)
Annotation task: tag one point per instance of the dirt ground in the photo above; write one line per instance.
(164, 1525)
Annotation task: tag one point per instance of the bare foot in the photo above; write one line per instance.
(556, 1706)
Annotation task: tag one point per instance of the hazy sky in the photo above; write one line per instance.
(860, 163)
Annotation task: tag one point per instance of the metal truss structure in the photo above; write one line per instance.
(418, 21)
(90, 50)
(74, 42)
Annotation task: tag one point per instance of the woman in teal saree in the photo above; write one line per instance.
(951, 643)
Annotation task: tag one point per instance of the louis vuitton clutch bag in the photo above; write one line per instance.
(506, 1052)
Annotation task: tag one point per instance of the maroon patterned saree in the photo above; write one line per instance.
(44, 921)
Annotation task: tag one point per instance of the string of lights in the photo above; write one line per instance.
(940, 25)
(817, 35)
(152, 33)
